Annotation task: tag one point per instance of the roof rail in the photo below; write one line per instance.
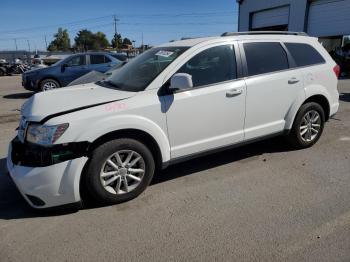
(264, 33)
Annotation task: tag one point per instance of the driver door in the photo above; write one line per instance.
(74, 68)
(211, 114)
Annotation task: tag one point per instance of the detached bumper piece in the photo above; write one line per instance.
(33, 155)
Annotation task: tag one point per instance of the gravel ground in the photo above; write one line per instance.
(261, 202)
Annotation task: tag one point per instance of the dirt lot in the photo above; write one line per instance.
(261, 202)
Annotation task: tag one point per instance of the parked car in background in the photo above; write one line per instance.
(65, 71)
(341, 56)
(4, 67)
(120, 56)
(95, 76)
(169, 104)
(16, 68)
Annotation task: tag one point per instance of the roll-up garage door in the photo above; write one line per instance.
(270, 18)
(329, 18)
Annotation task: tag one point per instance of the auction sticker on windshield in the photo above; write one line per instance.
(164, 53)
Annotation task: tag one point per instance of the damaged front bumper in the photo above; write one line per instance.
(47, 176)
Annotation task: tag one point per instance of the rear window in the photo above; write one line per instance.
(304, 54)
(265, 57)
(99, 59)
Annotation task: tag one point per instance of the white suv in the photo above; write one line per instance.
(169, 104)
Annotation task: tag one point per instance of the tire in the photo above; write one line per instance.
(97, 186)
(2, 72)
(296, 137)
(49, 84)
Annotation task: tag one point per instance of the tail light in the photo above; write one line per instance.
(336, 70)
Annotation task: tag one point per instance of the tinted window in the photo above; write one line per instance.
(120, 57)
(98, 59)
(265, 58)
(304, 54)
(107, 59)
(214, 65)
(76, 61)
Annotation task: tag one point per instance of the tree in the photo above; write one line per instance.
(87, 40)
(119, 43)
(83, 40)
(100, 41)
(61, 41)
(126, 42)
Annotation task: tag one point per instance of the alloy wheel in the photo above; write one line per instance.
(49, 86)
(122, 172)
(310, 126)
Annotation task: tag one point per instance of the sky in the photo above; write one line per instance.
(158, 21)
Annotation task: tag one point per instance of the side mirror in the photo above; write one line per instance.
(63, 67)
(181, 81)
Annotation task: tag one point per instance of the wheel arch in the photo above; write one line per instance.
(49, 77)
(136, 134)
(322, 101)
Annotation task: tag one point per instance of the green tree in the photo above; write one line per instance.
(84, 40)
(100, 41)
(126, 42)
(117, 41)
(61, 41)
(87, 40)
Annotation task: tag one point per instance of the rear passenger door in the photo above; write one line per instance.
(272, 87)
(100, 63)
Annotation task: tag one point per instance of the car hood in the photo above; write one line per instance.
(64, 100)
(37, 70)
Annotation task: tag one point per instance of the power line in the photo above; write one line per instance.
(147, 25)
(56, 25)
(140, 16)
(16, 44)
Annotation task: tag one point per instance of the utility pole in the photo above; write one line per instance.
(115, 20)
(143, 46)
(28, 45)
(16, 44)
(46, 42)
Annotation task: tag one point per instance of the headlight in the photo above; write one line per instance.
(45, 135)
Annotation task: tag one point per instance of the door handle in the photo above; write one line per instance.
(234, 92)
(293, 81)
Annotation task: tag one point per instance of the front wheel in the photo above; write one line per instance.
(119, 171)
(308, 125)
(49, 84)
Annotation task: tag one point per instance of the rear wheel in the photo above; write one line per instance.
(119, 171)
(308, 126)
(49, 84)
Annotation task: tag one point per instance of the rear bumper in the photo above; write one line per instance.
(48, 186)
(333, 109)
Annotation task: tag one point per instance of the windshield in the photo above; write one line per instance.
(136, 75)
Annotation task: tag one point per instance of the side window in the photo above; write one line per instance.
(265, 57)
(214, 65)
(77, 61)
(304, 54)
(107, 60)
(99, 59)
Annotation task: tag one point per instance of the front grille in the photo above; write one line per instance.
(32, 155)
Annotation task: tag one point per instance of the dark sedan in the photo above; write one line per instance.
(65, 71)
